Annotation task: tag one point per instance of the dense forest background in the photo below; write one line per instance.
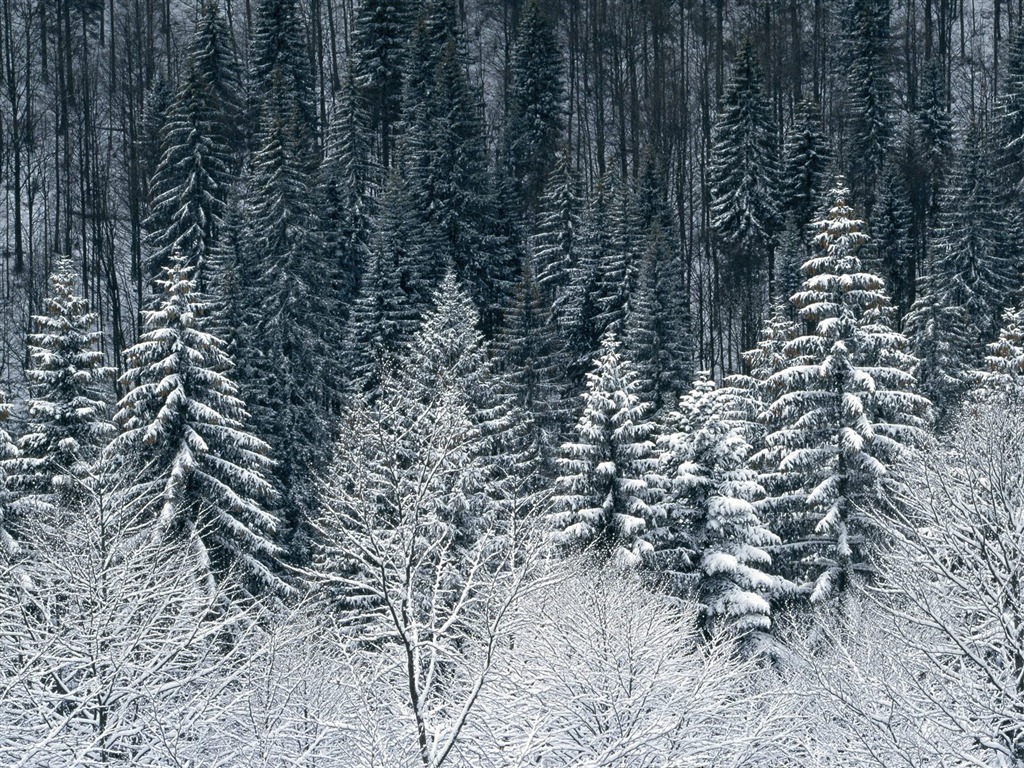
(590, 383)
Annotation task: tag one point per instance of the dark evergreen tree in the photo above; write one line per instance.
(895, 244)
(8, 524)
(1010, 123)
(67, 422)
(535, 106)
(281, 78)
(347, 187)
(806, 167)
(940, 335)
(744, 180)
(200, 151)
(975, 245)
(380, 31)
(935, 129)
(193, 466)
(289, 374)
(869, 93)
(444, 155)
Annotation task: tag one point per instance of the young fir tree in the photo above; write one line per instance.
(379, 33)
(846, 409)
(869, 93)
(67, 422)
(194, 467)
(895, 238)
(608, 491)
(713, 511)
(533, 125)
(530, 355)
(1003, 372)
(935, 130)
(975, 241)
(744, 181)
(200, 146)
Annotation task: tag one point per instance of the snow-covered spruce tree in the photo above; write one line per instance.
(941, 340)
(288, 373)
(67, 424)
(421, 457)
(867, 58)
(196, 471)
(200, 142)
(935, 132)
(712, 515)
(379, 33)
(555, 241)
(975, 241)
(8, 451)
(744, 180)
(608, 491)
(845, 411)
(584, 301)
(347, 184)
(533, 125)
(806, 167)
(279, 63)
(1003, 371)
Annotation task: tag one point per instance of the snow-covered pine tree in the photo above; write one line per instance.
(867, 58)
(712, 513)
(806, 167)
(744, 181)
(8, 452)
(279, 63)
(975, 241)
(846, 409)
(67, 423)
(894, 234)
(347, 184)
(1003, 372)
(200, 143)
(556, 239)
(533, 125)
(608, 491)
(941, 340)
(289, 375)
(379, 33)
(194, 467)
